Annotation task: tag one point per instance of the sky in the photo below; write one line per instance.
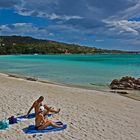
(106, 24)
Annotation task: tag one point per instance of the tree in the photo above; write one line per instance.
(1, 40)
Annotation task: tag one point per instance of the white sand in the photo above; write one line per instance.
(90, 115)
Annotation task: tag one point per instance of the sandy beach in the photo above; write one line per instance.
(90, 114)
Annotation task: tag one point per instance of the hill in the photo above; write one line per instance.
(29, 45)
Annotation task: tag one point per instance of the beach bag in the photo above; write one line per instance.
(4, 124)
(12, 120)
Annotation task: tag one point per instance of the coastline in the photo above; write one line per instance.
(90, 114)
(133, 94)
(29, 78)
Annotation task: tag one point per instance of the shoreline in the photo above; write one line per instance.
(132, 94)
(29, 78)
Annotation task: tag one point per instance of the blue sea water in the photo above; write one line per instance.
(98, 69)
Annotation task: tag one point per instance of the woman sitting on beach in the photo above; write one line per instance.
(41, 122)
(38, 103)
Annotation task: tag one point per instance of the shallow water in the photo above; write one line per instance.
(98, 69)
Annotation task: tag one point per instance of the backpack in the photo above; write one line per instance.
(12, 120)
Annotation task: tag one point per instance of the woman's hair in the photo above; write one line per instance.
(41, 98)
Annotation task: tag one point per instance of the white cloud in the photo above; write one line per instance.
(90, 15)
(101, 18)
(53, 16)
(23, 29)
(123, 28)
(132, 11)
(99, 40)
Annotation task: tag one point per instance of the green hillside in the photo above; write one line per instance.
(29, 45)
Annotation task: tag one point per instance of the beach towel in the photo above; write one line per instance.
(30, 116)
(32, 129)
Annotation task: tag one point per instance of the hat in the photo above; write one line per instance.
(41, 108)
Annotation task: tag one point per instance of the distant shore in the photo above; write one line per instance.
(30, 45)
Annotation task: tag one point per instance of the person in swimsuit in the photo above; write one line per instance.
(38, 103)
(41, 122)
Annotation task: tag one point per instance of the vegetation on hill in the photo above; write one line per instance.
(29, 45)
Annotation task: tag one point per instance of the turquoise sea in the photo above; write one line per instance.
(98, 69)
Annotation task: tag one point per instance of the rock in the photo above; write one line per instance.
(126, 83)
(31, 79)
(137, 87)
(130, 81)
(115, 81)
(122, 92)
(121, 86)
(124, 79)
(113, 86)
(137, 81)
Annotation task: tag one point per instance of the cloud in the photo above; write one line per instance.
(131, 11)
(23, 29)
(123, 29)
(50, 31)
(99, 40)
(102, 17)
(89, 9)
(9, 3)
(18, 27)
(43, 9)
(64, 17)
(84, 18)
